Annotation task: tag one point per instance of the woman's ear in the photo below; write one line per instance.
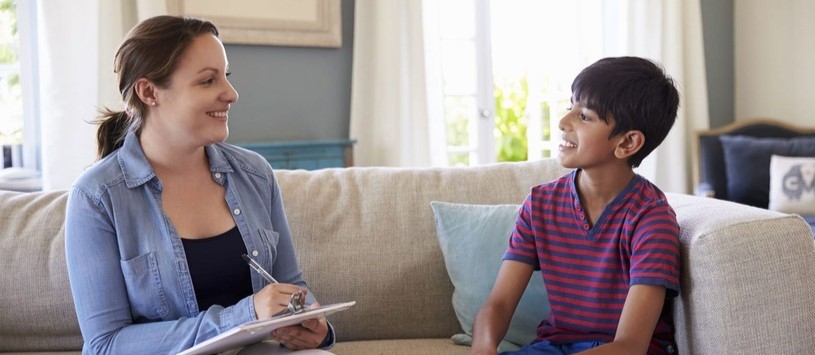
(629, 144)
(146, 91)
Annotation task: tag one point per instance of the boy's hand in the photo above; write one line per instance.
(641, 311)
(492, 321)
(474, 351)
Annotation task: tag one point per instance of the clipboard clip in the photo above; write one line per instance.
(297, 304)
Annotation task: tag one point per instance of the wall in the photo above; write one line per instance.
(717, 32)
(774, 50)
(292, 93)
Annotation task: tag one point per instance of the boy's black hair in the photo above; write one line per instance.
(635, 92)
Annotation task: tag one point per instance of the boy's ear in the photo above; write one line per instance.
(629, 144)
(146, 91)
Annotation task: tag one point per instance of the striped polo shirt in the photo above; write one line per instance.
(587, 269)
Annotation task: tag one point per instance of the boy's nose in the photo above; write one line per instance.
(563, 122)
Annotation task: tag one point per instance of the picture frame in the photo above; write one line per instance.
(301, 23)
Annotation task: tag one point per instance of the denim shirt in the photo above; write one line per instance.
(128, 272)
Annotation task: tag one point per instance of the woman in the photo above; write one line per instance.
(156, 229)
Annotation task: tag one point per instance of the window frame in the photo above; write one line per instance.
(29, 79)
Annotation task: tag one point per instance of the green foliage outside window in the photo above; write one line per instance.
(458, 110)
(8, 19)
(510, 120)
(10, 90)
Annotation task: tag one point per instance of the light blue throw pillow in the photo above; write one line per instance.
(473, 239)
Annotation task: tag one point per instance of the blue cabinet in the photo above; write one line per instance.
(307, 155)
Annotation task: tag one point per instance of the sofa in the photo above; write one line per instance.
(369, 235)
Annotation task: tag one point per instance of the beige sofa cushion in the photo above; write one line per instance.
(748, 280)
(368, 235)
(36, 308)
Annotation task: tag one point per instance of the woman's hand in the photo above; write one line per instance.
(274, 298)
(307, 335)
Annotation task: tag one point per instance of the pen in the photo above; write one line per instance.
(260, 270)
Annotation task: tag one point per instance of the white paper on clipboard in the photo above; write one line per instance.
(256, 331)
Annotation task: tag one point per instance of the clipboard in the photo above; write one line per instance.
(257, 331)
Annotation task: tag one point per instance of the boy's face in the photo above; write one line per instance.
(585, 141)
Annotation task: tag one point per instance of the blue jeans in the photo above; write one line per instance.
(546, 347)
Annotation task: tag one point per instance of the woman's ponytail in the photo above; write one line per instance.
(113, 127)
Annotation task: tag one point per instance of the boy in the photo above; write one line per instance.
(605, 239)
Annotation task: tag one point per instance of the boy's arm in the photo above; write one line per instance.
(493, 319)
(641, 311)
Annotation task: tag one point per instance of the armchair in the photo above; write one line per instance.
(733, 161)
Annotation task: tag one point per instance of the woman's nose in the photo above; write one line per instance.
(231, 95)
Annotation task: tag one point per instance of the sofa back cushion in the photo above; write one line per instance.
(36, 307)
(363, 234)
(368, 235)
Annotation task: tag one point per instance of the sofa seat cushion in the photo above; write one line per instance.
(400, 346)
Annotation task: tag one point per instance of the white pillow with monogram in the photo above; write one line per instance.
(792, 185)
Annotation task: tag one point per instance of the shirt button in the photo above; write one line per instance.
(237, 211)
(217, 175)
(586, 226)
(582, 216)
(254, 253)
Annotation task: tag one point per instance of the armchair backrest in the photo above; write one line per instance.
(709, 165)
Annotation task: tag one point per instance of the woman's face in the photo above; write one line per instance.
(193, 109)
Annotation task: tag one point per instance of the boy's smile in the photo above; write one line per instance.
(585, 141)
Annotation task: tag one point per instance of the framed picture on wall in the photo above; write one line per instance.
(303, 23)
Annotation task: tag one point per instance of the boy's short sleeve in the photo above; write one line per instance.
(655, 249)
(522, 241)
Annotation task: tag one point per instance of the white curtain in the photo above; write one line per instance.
(670, 32)
(76, 44)
(389, 95)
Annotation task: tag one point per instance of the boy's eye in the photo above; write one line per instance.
(584, 117)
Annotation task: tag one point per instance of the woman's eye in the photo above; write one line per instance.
(208, 81)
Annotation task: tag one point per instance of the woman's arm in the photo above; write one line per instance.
(99, 280)
(312, 333)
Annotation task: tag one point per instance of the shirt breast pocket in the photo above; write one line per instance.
(270, 239)
(144, 288)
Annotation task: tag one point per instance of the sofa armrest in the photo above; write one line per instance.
(748, 279)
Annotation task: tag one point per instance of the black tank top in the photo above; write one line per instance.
(219, 274)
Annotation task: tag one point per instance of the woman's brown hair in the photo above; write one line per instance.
(150, 50)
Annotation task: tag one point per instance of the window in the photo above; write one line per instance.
(19, 125)
(507, 68)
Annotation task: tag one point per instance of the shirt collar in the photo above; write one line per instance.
(137, 170)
